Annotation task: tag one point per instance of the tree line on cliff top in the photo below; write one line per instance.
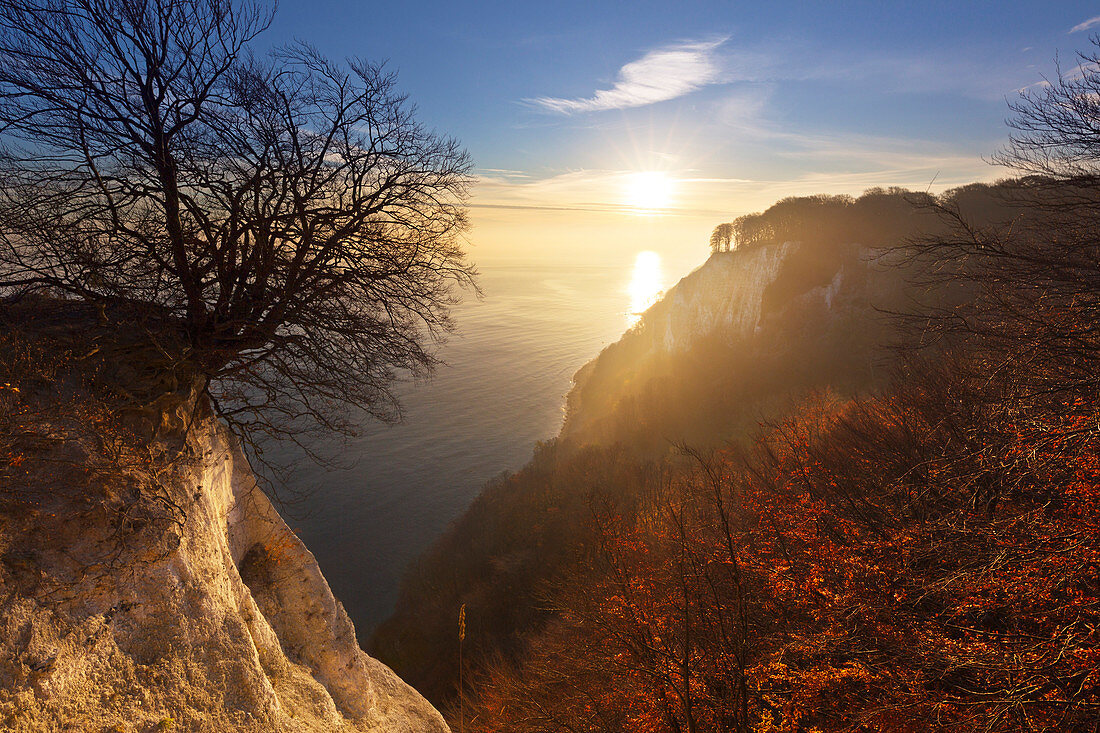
(924, 556)
(879, 217)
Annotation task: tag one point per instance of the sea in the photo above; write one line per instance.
(508, 367)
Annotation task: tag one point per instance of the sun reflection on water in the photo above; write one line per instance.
(646, 283)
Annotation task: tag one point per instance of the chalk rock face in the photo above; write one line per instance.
(811, 311)
(208, 615)
(727, 293)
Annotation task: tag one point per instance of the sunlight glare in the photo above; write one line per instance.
(645, 285)
(648, 191)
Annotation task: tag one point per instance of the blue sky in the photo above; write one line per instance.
(738, 103)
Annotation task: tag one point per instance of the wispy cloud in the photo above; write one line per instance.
(1027, 88)
(827, 164)
(678, 69)
(578, 190)
(1084, 26)
(662, 74)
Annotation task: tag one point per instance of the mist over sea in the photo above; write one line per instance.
(509, 366)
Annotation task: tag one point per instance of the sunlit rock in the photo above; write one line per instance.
(176, 600)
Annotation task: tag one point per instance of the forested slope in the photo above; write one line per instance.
(740, 341)
(823, 484)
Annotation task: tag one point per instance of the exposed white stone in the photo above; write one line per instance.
(726, 292)
(226, 625)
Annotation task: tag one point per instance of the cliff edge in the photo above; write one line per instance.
(728, 344)
(148, 584)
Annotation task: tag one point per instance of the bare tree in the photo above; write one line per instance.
(1032, 280)
(1055, 130)
(285, 220)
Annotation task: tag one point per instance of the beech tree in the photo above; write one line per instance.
(282, 225)
(721, 238)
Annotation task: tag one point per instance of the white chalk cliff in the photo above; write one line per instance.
(186, 605)
(727, 292)
(782, 300)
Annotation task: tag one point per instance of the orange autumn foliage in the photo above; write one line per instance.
(923, 560)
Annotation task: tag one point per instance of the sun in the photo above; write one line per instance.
(648, 191)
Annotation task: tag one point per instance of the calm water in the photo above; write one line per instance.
(508, 368)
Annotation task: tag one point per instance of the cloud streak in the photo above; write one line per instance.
(660, 75)
(1085, 25)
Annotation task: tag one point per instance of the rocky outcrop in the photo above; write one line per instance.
(168, 594)
(725, 293)
(728, 341)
